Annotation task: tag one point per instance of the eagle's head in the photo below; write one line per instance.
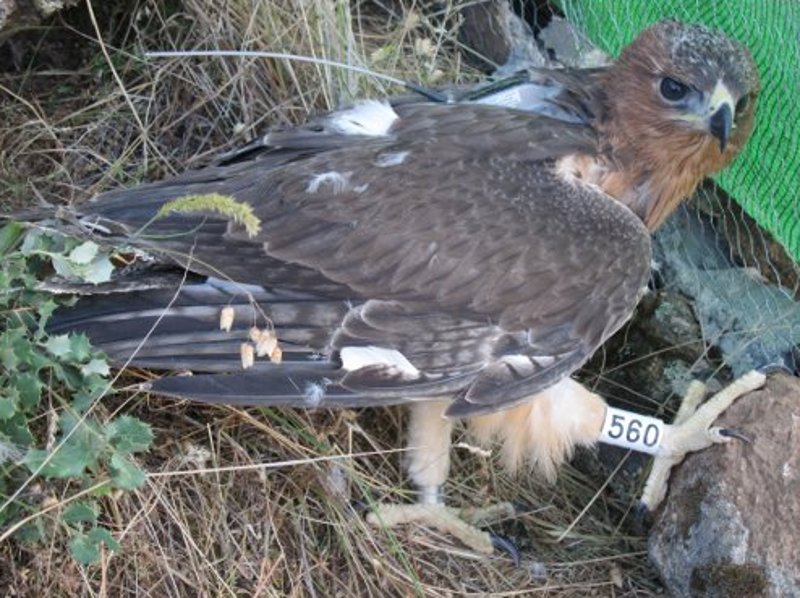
(681, 102)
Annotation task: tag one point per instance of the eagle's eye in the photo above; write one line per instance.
(672, 90)
(741, 105)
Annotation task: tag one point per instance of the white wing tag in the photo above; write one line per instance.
(631, 430)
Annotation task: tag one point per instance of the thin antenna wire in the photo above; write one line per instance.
(428, 93)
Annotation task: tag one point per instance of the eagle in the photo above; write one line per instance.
(462, 258)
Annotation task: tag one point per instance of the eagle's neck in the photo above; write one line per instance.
(651, 179)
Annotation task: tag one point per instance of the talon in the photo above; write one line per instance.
(692, 431)
(772, 368)
(521, 507)
(503, 544)
(642, 518)
(359, 506)
(733, 433)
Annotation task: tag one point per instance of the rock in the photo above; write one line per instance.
(7, 8)
(731, 523)
(13, 12)
(699, 254)
(496, 36)
(671, 325)
(570, 46)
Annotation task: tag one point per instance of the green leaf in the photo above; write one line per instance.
(8, 343)
(84, 549)
(31, 532)
(65, 463)
(90, 436)
(58, 345)
(81, 451)
(96, 366)
(9, 235)
(69, 375)
(92, 387)
(105, 489)
(80, 347)
(125, 474)
(101, 534)
(95, 384)
(96, 270)
(130, 435)
(8, 358)
(9, 451)
(8, 406)
(26, 352)
(83, 253)
(30, 390)
(81, 512)
(81, 400)
(35, 241)
(17, 432)
(45, 309)
(99, 270)
(65, 268)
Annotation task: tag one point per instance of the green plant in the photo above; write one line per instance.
(59, 440)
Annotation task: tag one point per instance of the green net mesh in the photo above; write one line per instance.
(765, 178)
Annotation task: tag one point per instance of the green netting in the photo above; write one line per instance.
(765, 178)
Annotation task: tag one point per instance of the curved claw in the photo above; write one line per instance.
(642, 517)
(734, 433)
(505, 545)
(778, 367)
(360, 507)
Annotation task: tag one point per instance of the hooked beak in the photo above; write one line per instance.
(720, 106)
(721, 124)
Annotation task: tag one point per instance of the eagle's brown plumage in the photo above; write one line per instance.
(653, 149)
(464, 253)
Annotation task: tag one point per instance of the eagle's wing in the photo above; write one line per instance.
(471, 266)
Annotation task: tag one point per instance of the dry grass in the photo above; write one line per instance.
(254, 502)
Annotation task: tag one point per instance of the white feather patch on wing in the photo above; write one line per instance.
(517, 360)
(371, 117)
(313, 394)
(391, 159)
(355, 358)
(338, 181)
(544, 361)
(526, 361)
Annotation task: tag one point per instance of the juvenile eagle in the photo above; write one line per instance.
(461, 258)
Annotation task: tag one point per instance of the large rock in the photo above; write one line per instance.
(731, 524)
(496, 36)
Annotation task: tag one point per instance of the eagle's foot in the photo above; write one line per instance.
(692, 431)
(459, 523)
(488, 515)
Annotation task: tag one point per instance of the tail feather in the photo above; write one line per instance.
(309, 385)
(180, 328)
